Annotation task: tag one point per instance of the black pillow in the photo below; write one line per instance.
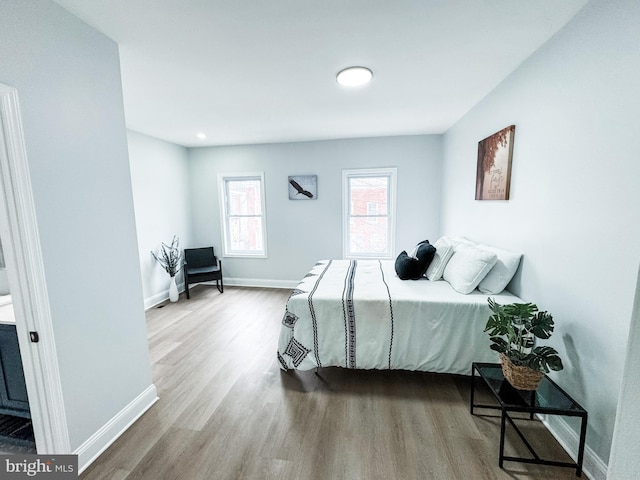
(408, 267)
(425, 253)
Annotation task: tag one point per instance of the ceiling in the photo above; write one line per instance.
(264, 71)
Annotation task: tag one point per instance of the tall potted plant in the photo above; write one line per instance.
(513, 330)
(169, 257)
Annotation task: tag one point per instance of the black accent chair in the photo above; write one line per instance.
(201, 265)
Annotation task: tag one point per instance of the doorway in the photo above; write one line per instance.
(27, 285)
(16, 429)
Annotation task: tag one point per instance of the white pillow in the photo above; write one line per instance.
(465, 240)
(468, 266)
(502, 272)
(444, 251)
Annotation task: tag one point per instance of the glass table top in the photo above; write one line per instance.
(548, 398)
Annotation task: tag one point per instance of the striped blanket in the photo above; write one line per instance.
(359, 314)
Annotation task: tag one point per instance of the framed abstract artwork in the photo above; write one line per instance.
(493, 176)
(303, 187)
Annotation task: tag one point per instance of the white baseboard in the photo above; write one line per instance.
(261, 282)
(158, 298)
(593, 466)
(111, 431)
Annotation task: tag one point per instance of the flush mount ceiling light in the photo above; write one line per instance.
(354, 76)
(201, 135)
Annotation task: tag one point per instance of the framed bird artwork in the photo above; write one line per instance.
(303, 187)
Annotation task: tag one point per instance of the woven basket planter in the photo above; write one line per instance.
(521, 378)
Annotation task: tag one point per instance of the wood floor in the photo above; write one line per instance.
(226, 410)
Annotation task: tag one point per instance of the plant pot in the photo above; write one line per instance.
(520, 377)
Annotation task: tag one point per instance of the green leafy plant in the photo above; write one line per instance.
(169, 257)
(513, 330)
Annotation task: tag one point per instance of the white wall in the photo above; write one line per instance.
(301, 232)
(624, 463)
(159, 177)
(574, 194)
(68, 80)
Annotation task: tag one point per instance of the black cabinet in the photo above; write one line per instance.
(13, 390)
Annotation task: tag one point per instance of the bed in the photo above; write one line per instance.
(358, 314)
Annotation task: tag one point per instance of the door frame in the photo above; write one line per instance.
(27, 281)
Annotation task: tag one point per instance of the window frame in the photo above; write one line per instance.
(223, 179)
(391, 173)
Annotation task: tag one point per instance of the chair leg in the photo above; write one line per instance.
(186, 286)
(220, 286)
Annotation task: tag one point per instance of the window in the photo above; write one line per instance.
(369, 212)
(243, 214)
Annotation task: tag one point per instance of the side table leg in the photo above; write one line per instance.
(583, 437)
(502, 431)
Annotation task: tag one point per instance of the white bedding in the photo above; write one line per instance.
(359, 314)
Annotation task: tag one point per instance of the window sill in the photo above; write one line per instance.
(244, 255)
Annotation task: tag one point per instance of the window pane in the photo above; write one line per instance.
(244, 197)
(369, 193)
(366, 237)
(245, 234)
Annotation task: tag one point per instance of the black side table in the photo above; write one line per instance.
(548, 399)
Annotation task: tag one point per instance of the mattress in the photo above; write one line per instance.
(359, 314)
